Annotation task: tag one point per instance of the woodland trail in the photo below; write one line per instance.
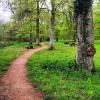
(15, 85)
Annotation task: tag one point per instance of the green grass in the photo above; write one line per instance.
(53, 73)
(9, 53)
(97, 56)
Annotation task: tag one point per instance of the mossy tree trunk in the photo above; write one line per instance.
(91, 50)
(85, 47)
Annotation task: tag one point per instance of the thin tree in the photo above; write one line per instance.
(52, 29)
(37, 22)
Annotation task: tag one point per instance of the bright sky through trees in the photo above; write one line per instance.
(5, 13)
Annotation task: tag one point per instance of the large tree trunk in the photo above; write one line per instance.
(52, 30)
(90, 38)
(80, 58)
(85, 50)
(37, 23)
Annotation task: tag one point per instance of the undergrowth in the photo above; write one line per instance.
(53, 73)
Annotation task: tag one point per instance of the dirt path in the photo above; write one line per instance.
(15, 84)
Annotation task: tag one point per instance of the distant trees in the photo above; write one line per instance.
(97, 20)
(68, 12)
(56, 6)
(23, 14)
(2, 32)
(85, 35)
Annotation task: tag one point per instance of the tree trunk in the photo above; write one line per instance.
(90, 38)
(37, 24)
(30, 34)
(52, 30)
(80, 59)
(85, 48)
(30, 40)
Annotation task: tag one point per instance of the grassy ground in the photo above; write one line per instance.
(53, 73)
(8, 54)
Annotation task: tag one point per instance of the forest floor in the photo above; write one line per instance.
(15, 84)
(53, 72)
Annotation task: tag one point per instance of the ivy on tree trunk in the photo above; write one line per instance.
(84, 21)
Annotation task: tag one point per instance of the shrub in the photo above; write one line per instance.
(4, 44)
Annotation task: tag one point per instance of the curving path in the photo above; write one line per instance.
(15, 84)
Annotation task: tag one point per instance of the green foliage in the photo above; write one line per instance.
(5, 43)
(64, 26)
(96, 14)
(24, 32)
(21, 23)
(52, 72)
(58, 65)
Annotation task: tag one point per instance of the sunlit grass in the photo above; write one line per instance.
(8, 54)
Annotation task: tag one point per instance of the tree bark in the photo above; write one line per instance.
(52, 30)
(85, 47)
(37, 23)
(90, 38)
(30, 32)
